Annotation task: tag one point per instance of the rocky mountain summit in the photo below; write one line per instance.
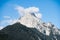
(29, 27)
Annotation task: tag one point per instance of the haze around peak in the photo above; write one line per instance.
(24, 11)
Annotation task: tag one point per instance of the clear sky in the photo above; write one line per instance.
(50, 10)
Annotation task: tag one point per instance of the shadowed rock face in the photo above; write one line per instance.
(3, 36)
(18, 31)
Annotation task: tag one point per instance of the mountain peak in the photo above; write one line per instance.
(29, 23)
(29, 20)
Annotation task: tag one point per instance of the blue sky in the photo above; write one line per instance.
(50, 10)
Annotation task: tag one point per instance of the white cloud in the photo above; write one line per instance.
(34, 10)
(31, 9)
(20, 10)
(8, 22)
(6, 17)
(1, 27)
(12, 21)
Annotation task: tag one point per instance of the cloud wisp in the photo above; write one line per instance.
(22, 11)
(6, 17)
(1, 27)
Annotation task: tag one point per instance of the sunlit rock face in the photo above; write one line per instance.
(29, 20)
